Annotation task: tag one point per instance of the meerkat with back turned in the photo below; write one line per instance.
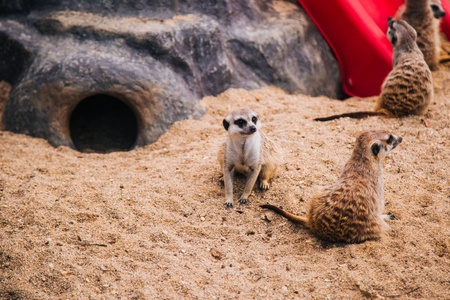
(408, 88)
(248, 151)
(351, 209)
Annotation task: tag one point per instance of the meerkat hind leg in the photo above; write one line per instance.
(266, 174)
(264, 184)
(251, 179)
(228, 181)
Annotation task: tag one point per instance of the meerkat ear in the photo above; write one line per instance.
(376, 148)
(226, 124)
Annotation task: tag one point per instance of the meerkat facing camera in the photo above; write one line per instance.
(351, 209)
(408, 88)
(247, 151)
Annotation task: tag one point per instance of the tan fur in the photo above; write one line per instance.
(249, 153)
(419, 15)
(351, 209)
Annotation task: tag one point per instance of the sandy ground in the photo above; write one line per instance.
(150, 223)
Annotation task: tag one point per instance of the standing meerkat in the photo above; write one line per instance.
(248, 151)
(439, 13)
(351, 209)
(408, 88)
(419, 14)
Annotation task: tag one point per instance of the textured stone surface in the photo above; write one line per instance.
(159, 58)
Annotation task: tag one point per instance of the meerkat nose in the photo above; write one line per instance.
(397, 142)
(253, 129)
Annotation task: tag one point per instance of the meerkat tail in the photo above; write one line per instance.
(444, 58)
(353, 115)
(291, 217)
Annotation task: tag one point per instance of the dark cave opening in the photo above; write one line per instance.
(102, 124)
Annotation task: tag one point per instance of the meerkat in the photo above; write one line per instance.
(408, 88)
(248, 151)
(351, 209)
(439, 13)
(420, 15)
(435, 5)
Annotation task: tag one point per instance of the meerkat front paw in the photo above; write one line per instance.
(264, 185)
(389, 216)
(228, 204)
(243, 200)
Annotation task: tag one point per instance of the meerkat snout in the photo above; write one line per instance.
(397, 141)
(248, 151)
(380, 148)
(436, 7)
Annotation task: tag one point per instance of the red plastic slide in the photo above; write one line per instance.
(356, 31)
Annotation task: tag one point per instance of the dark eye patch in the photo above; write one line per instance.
(437, 11)
(376, 149)
(434, 7)
(240, 122)
(394, 39)
(390, 139)
(254, 120)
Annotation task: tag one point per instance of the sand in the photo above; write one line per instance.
(150, 223)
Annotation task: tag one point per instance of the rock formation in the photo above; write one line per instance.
(154, 60)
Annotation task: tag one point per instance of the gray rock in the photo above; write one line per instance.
(145, 65)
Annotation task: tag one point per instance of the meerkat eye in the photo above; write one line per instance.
(254, 120)
(390, 139)
(240, 122)
(437, 11)
(376, 149)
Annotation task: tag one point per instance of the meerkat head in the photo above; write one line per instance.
(400, 33)
(377, 143)
(436, 7)
(242, 121)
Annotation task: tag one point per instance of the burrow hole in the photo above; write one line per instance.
(103, 124)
